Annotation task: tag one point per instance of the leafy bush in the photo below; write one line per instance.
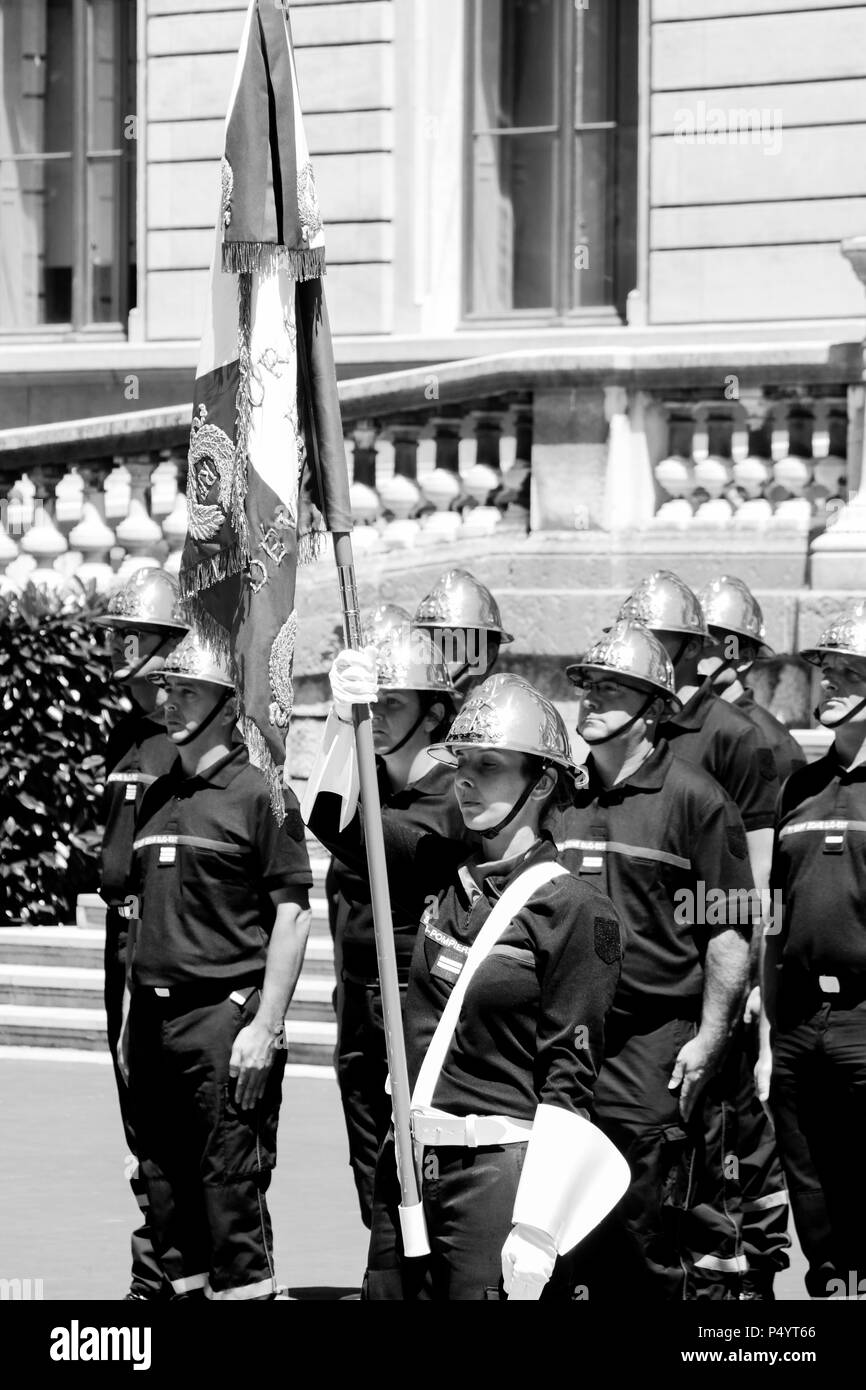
(58, 702)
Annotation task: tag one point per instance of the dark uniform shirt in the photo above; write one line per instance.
(786, 750)
(819, 867)
(531, 1025)
(669, 848)
(426, 805)
(213, 865)
(138, 752)
(713, 734)
(517, 1042)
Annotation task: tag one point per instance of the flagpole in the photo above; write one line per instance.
(411, 1218)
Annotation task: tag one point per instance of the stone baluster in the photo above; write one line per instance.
(174, 530)
(397, 494)
(8, 555)
(675, 472)
(138, 533)
(713, 468)
(360, 441)
(164, 485)
(44, 542)
(750, 450)
(484, 478)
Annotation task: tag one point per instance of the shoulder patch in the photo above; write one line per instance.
(738, 845)
(766, 764)
(608, 946)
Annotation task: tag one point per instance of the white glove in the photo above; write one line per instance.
(528, 1257)
(353, 681)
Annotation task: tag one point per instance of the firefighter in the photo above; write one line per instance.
(662, 839)
(377, 626)
(464, 618)
(815, 973)
(736, 627)
(145, 624)
(737, 639)
(500, 1102)
(224, 920)
(712, 733)
(415, 705)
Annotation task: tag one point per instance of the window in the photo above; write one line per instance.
(552, 205)
(67, 163)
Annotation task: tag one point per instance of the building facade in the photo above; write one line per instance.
(585, 277)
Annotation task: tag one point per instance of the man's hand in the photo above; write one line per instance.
(253, 1054)
(696, 1062)
(752, 1007)
(763, 1073)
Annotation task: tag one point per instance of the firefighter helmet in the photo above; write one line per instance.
(385, 619)
(663, 603)
(730, 607)
(457, 600)
(507, 712)
(844, 636)
(409, 659)
(633, 655)
(195, 659)
(148, 602)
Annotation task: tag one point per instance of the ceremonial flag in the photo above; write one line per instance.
(267, 468)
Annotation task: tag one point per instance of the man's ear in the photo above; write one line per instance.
(655, 711)
(434, 716)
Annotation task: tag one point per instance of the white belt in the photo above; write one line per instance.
(437, 1129)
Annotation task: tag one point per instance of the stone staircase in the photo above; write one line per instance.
(51, 986)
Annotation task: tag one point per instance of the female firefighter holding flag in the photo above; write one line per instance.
(514, 969)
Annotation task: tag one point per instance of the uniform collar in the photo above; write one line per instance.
(650, 776)
(219, 774)
(693, 714)
(495, 876)
(746, 700)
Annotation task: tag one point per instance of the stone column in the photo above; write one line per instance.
(839, 554)
(569, 459)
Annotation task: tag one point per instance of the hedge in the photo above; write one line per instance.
(59, 702)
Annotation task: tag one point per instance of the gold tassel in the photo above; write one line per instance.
(261, 758)
(266, 258)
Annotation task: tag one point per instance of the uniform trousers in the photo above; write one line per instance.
(468, 1197)
(207, 1164)
(754, 1183)
(680, 1241)
(147, 1278)
(818, 1099)
(362, 1069)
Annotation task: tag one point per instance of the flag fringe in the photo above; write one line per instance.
(193, 579)
(261, 758)
(213, 570)
(311, 547)
(266, 258)
(214, 633)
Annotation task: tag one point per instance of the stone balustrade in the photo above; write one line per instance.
(465, 453)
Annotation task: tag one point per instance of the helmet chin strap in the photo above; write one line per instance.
(180, 741)
(596, 742)
(395, 747)
(516, 808)
(837, 724)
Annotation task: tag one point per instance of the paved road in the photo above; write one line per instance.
(65, 1210)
